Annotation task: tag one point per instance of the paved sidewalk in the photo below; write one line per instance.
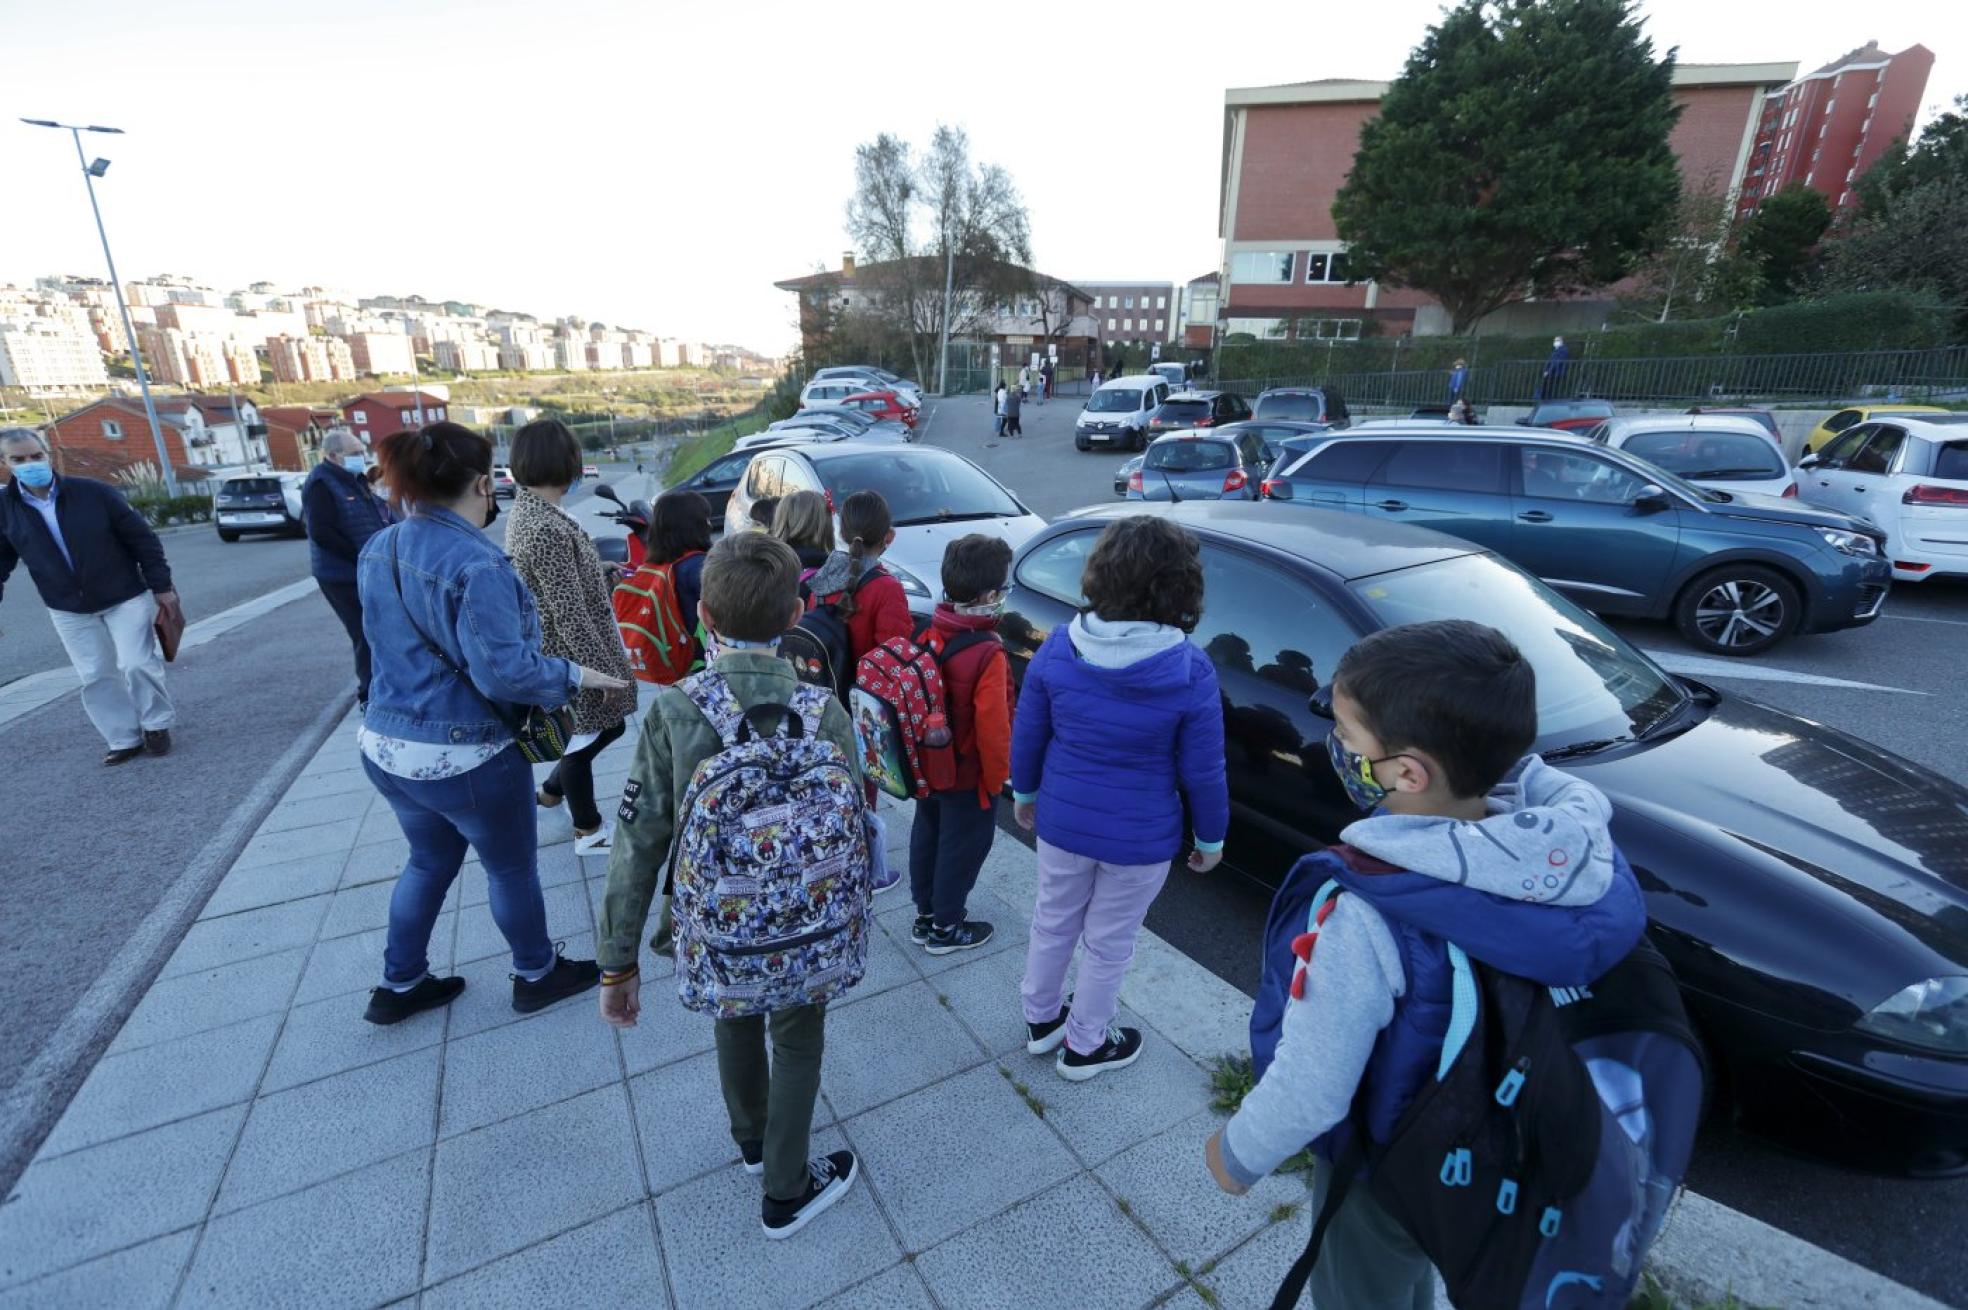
(248, 1140)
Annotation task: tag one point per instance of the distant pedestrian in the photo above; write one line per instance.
(1098, 378)
(1046, 370)
(1025, 382)
(1458, 379)
(557, 560)
(102, 574)
(342, 511)
(455, 640)
(1462, 412)
(998, 407)
(1552, 382)
(1013, 400)
(638, 466)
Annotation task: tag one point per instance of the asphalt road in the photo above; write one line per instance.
(1897, 682)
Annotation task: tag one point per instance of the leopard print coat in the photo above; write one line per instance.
(564, 573)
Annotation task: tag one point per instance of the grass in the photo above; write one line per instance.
(693, 453)
(1025, 1094)
(1231, 1080)
(1652, 1296)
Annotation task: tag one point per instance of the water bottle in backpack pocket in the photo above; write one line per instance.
(903, 715)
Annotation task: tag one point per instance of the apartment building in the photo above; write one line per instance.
(1133, 313)
(49, 357)
(570, 353)
(1828, 127)
(531, 357)
(381, 353)
(466, 356)
(187, 359)
(310, 359)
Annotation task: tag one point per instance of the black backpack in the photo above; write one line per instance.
(818, 646)
(1537, 1168)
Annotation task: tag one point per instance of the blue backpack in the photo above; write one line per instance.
(1536, 1169)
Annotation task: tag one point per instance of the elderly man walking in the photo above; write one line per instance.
(102, 574)
(342, 512)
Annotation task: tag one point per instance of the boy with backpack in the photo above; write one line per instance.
(756, 831)
(954, 826)
(1472, 840)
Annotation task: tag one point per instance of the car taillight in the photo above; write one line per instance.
(1274, 489)
(1923, 494)
(1206, 421)
(1234, 480)
(1790, 489)
(1134, 480)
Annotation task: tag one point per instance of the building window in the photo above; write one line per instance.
(112, 429)
(1323, 266)
(1127, 325)
(1110, 325)
(1159, 324)
(1329, 329)
(1113, 302)
(1127, 302)
(1261, 266)
(1264, 329)
(360, 416)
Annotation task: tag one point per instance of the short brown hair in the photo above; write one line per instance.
(430, 465)
(750, 585)
(545, 454)
(1145, 569)
(973, 566)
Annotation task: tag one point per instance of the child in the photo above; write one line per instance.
(1469, 838)
(763, 510)
(953, 829)
(867, 595)
(998, 407)
(1115, 718)
(750, 597)
(679, 534)
(1013, 402)
(803, 522)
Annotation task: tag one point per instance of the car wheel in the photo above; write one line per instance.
(1738, 609)
(227, 534)
(1082, 447)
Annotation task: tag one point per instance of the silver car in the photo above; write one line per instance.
(1710, 450)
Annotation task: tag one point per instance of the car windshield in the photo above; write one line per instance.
(1550, 411)
(1722, 456)
(1591, 685)
(1179, 412)
(1190, 456)
(919, 486)
(251, 487)
(1301, 406)
(1114, 400)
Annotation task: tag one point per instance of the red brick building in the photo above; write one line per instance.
(1829, 126)
(1286, 153)
(107, 436)
(376, 414)
(295, 433)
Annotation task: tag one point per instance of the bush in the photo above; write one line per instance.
(161, 511)
(1861, 320)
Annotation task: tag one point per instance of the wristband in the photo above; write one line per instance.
(616, 977)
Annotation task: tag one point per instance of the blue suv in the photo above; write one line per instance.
(1736, 572)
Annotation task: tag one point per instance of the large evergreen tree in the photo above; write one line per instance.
(1522, 153)
(1780, 240)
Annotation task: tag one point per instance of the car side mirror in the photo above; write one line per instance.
(1651, 500)
(606, 491)
(1810, 461)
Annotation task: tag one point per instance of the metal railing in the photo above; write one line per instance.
(1902, 375)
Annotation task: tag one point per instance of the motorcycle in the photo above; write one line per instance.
(625, 552)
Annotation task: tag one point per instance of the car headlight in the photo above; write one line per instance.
(1852, 543)
(1932, 1015)
(910, 582)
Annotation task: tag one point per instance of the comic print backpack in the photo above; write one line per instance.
(650, 619)
(902, 715)
(769, 868)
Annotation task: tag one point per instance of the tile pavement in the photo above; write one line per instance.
(260, 1145)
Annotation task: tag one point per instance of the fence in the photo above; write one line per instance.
(1904, 375)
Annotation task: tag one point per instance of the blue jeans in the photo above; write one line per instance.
(951, 837)
(490, 809)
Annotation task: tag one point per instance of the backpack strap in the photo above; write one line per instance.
(1346, 1169)
(712, 696)
(809, 702)
(1462, 1010)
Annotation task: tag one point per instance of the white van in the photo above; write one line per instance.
(1116, 416)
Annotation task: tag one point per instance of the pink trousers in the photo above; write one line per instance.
(1099, 907)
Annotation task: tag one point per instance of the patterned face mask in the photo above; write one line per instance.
(984, 609)
(1356, 772)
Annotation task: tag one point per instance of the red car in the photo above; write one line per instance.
(881, 405)
(1567, 415)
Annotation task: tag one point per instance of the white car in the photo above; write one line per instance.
(1731, 455)
(834, 390)
(1907, 477)
(934, 496)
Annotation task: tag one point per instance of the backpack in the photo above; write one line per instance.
(769, 870)
(1537, 1168)
(650, 619)
(902, 716)
(818, 645)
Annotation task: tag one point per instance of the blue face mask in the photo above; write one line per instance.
(1356, 773)
(39, 474)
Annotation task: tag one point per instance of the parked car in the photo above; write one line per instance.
(884, 405)
(259, 502)
(1855, 414)
(1201, 466)
(836, 390)
(1303, 405)
(1716, 451)
(847, 422)
(934, 496)
(1176, 375)
(1810, 889)
(1280, 436)
(1906, 477)
(870, 371)
(1197, 409)
(590, 470)
(1117, 413)
(502, 481)
(1567, 415)
(1762, 418)
(1126, 472)
(716, 481)
(1736, 574)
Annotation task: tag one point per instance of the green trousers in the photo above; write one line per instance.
(1368, 1262)
(772, 1102)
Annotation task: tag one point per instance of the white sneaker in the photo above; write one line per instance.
(596, 843)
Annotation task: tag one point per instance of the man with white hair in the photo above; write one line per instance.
(342, 512)
(102, 574)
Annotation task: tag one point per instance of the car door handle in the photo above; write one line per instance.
(1858, 486)
(1391, 504)
(1535, 516)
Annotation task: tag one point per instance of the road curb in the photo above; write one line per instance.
(32, 1105)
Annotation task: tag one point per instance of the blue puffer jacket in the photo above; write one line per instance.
(1112, 754)
(341, 513)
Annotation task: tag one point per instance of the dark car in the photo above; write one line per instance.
(1567, 415)
(1196, 409)
(1736, 572)
(717, 480)
(1762, 418)
(1811, 890)
(1303, 405)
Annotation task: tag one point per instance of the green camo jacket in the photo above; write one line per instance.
(676, 738)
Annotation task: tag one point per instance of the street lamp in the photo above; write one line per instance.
(90, 172)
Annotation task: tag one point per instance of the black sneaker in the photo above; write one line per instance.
(1044, 1038)
(965, 936)
(157, 741)
(387, 1005)
(828, 1178)
(919, 930)
(1121, 1049)
(753, 1154)
(566, 978)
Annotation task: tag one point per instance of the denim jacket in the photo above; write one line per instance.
(461, 590)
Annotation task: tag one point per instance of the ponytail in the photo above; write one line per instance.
(865, 523)
(433, 464)
(857, 560)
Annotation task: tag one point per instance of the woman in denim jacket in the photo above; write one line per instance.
(439, 747)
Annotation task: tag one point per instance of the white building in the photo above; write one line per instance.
(466, 356)
(50, 357)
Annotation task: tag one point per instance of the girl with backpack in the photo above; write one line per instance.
(1119, 728)
(854, 582)
(801, 521)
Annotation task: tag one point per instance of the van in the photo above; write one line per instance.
(259, 502)
(1116, 416)
(1176, 375)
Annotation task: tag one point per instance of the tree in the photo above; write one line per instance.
(1781, 239)
(1522, 152)
(1941, 153)
(1680, 279)
(1909, 234)
(911, 221)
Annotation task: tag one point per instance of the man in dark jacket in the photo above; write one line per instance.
(102, 574)
(342, 512)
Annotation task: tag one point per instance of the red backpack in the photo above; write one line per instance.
(902, 716)
(650, 618)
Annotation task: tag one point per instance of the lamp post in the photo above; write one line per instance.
(90, 172)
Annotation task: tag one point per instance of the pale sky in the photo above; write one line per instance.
(660, 165)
